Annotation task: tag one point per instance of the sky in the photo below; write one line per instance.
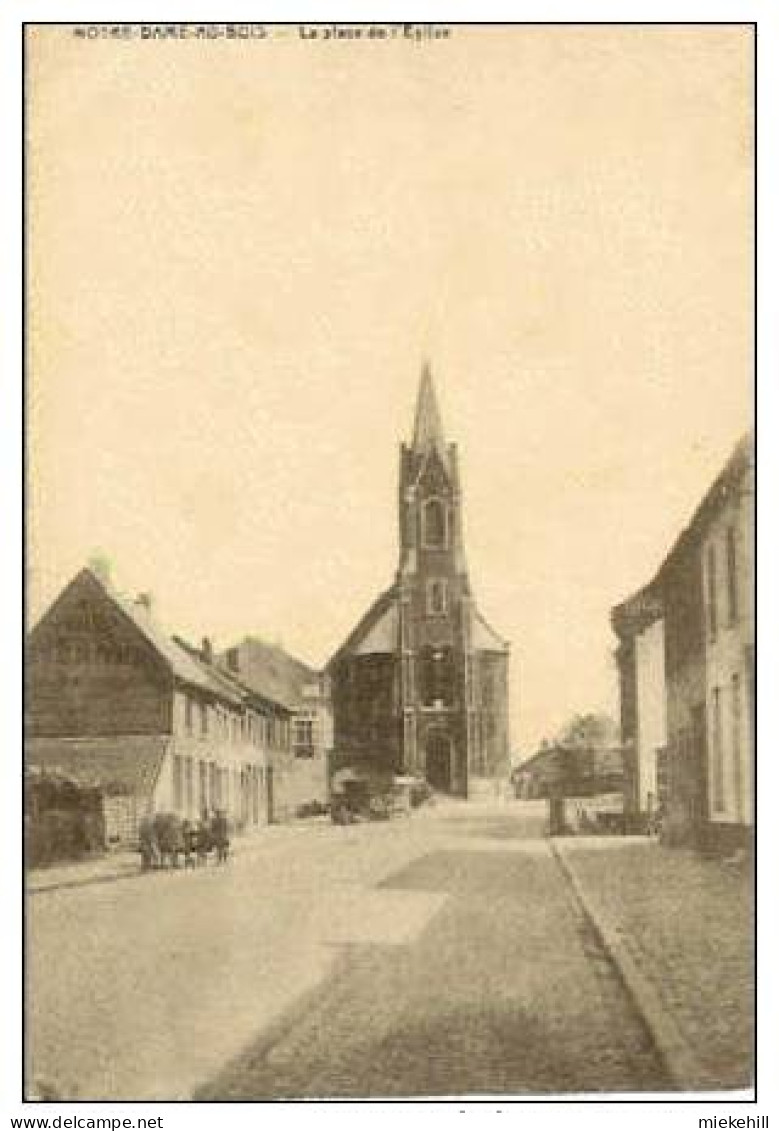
(240, 253)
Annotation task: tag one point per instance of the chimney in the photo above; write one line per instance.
(207, 650)
(145, 601)
(100, 565)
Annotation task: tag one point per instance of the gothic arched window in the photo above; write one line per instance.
(437, 676)
(436, 597)
(434, 524)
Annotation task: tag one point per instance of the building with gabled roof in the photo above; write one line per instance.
(420, 686)
(686, 663)
(115, 704)
(270, 671)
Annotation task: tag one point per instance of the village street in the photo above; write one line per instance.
(445, 954)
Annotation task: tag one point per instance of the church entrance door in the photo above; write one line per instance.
(438, 760)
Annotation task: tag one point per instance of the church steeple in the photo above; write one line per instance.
(428, 431)
(419, 687)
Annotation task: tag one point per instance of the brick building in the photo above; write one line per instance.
(421, 684)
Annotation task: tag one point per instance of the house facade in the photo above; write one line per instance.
(113, 703)
(269, 670)
(688, 714)
(727, 552)
(643, 704)
(421, 684)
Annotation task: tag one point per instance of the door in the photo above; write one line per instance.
(438, 758)
(699, 801)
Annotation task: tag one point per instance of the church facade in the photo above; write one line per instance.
(420, 686)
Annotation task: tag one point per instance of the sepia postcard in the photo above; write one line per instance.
(390, 654)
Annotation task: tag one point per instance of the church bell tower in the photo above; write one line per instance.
(435, 612)
(420, 685)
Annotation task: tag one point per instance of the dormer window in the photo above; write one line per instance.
(434, 524)
(437, 598)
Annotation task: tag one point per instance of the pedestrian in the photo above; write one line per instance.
(220, 835)
(203, 837)
(147, 844)
(189, 837)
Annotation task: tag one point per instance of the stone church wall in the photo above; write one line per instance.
(492, 668)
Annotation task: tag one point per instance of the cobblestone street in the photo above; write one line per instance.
(505, 992)
(442, 955)
(687, 922)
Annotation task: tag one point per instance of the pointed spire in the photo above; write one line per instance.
(428, 431)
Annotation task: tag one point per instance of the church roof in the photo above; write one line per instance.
(373, 633)
(382, 636)
(484, 637)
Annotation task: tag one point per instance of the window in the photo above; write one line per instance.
(304, 738)
(469, 676)
(178, 783)
(437, 676)
(409, 738)
(255, 780)
(188, 714)
(434, 524)
(408, 676)
(202, 786)
(188, 779)
(203, 718)
(487, 690)
(437, 596)
(213, 785)
(662, 775)
(711, 573)
(718, 798)
(738, 779)
(732, 577)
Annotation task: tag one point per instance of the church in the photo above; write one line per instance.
(420, 686)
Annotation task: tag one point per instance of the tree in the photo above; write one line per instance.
(590, 730)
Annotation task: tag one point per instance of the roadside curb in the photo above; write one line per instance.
(131, 869)
(682, 1065)
(125, 873)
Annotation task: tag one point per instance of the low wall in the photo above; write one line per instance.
(297, 782)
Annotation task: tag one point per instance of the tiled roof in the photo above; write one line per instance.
(645, 605)
(182, 665)
(485, 638)
(219, 683)
(368, 622)
(280, 681)
(130, 763)
(382, 636)
(269, 672)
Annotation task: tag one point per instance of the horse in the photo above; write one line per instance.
(170, 838)
(148, 845)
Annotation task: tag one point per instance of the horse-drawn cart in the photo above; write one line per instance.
(166, 840)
